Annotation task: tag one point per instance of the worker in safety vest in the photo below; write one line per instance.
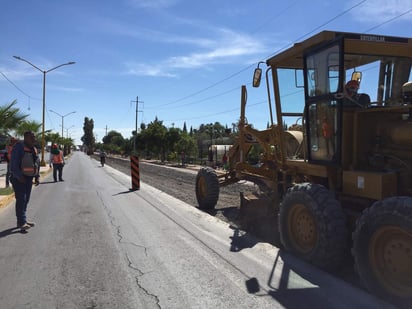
(57, 159)
(9, 148)
(328, 135)
(24, 167)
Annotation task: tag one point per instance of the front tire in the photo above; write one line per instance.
(312, 225)
(207, 188)
(382, 248)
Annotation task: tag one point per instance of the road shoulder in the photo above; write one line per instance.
(6, 197)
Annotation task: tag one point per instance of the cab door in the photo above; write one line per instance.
(323, 74)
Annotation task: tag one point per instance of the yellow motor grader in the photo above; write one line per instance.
(346, 168)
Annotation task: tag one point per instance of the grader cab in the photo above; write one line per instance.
(345, 166)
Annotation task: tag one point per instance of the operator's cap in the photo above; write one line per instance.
(407, 92)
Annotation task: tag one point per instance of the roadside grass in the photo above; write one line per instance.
(6, 191)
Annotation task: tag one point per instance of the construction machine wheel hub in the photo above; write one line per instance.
(202, 187)
(302, 227)
(390, 254)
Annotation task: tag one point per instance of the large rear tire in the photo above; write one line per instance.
(207, 188)
(382, 248)
(312, 225)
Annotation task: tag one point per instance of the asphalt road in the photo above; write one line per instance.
(3, 168)
(96, 244)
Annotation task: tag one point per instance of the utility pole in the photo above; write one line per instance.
(137, 110)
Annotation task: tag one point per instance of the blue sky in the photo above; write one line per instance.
(185, 59)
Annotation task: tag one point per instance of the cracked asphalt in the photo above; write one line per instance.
(97, 244)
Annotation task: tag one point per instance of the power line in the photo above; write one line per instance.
(234, 74)
(214, 114)
(235, 109)
(322, 25)
(28, 96)
(4, 75)
(389, 20)
(269, 20)
(252, 65)
(237, 73)
(201, 100)
(207, 88)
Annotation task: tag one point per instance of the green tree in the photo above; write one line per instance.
(29, 125)
(154, 138)
(53, 138)
(188, 145)
(127, 146)
(172, 137)
(213, 130)
(88, 138)
(67, 144)
(114, 138)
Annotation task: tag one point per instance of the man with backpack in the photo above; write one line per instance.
(24, 167)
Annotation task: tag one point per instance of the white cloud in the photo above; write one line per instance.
(152, 4)
(17, 75)
(66, 89)
(142, 69)
(382, 10)
(226, 47)
(119, 28)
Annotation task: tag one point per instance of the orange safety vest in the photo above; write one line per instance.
(58, 158)
(327, 130)
(28, 162)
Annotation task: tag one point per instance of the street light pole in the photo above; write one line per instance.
(62, 118)
(42, 162)
(67, 131)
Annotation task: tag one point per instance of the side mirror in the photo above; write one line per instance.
(257, 75)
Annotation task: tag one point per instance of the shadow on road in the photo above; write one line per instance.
(125, 192)
(230, 213)
(286, 270)
(241, 240)
(280, 290)
(13, 230)
(47, 182)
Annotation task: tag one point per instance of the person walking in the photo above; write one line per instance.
(57, 159)
(102, 157)
(224, 161)
(24, 161)
(8, 160)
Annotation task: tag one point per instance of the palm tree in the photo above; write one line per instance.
(29, 125)
(10, 117)
(67, 145)
(53, 138)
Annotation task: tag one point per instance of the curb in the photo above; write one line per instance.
(6, 199)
